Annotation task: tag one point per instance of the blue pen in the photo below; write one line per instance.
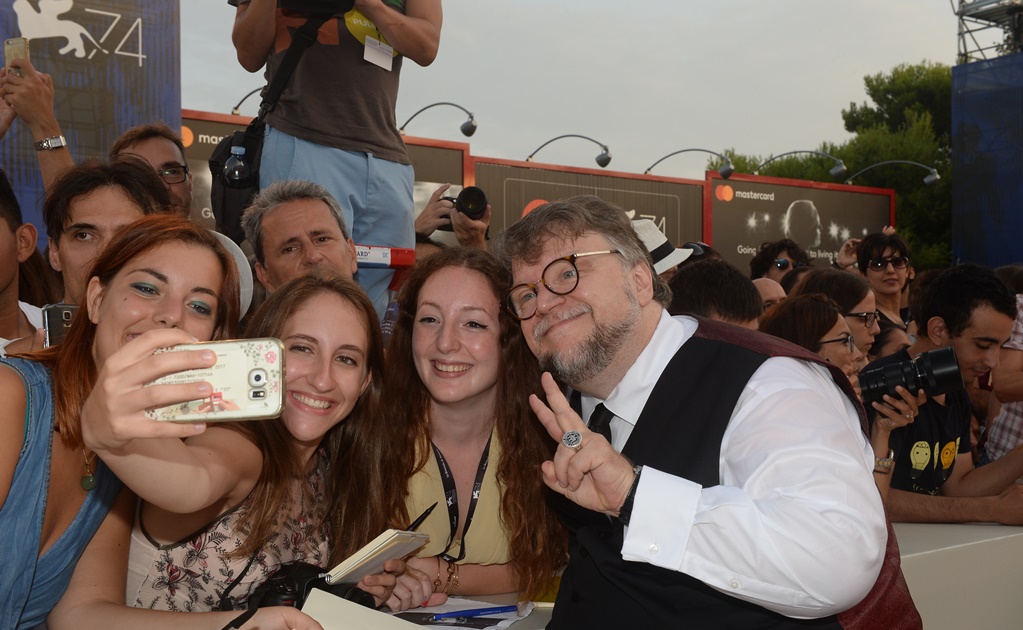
(475, 612)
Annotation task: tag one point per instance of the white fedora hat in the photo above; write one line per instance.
(244, 271)
(665, 254)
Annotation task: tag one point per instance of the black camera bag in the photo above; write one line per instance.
(292, 583)
(229, 200)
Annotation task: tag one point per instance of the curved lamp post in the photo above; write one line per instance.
(931, 178)
(725, 171)
(602, 160)
(838, 170)
(236, 110)
(468, 127)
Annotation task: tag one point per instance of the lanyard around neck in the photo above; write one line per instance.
(451, 497)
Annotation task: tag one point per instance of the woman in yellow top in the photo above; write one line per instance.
(462, 434)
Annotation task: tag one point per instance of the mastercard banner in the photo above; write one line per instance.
(746, 211)
(516, 188)
(115, 64)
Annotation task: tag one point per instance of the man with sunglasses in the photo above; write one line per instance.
(970, 310)
(704, 491)
(776, 259)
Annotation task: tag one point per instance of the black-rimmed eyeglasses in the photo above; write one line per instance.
(560, 276)
(846, 339)
(880, 264)
(174, 174)
(869, 319)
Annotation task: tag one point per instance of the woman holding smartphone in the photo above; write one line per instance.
(173, 278)
(222, 510)
(462, 434)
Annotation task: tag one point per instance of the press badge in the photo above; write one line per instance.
(378, 53)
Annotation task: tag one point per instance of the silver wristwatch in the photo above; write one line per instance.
(51, 143)
(883, 465)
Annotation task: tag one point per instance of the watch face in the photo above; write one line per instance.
(55, 142)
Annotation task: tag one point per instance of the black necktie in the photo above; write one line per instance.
(600, 421)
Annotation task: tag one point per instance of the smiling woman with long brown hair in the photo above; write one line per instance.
(463, 435)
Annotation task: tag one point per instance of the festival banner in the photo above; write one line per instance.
(514, 188)
(746, 211)
(114, 63)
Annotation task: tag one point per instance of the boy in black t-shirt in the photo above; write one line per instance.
(969, 309)
(926, 450)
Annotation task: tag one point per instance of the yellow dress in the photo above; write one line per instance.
(487, 539)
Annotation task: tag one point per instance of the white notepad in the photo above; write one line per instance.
(334, 613)
(392, 544)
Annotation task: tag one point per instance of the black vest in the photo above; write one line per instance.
(679, 432)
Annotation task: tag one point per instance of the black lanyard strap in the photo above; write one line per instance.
(451, 497)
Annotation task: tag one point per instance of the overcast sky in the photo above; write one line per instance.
(646, 77)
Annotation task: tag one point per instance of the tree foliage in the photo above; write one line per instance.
(907, 91)
(909, 118)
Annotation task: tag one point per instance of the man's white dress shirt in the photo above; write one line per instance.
(797, 525)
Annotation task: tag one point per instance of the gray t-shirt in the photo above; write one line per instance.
(335, 97)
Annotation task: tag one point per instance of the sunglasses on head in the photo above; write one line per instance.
(699, 247)
(783, 264)
(881, 263)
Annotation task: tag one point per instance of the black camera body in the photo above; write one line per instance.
(330, 7)
(292, 582)
(472, 202)
(936, 372)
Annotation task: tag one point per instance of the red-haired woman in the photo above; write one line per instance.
(178, 282)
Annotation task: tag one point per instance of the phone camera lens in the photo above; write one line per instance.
(257, 377)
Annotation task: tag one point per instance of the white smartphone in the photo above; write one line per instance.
(15, 48)
(247, 379)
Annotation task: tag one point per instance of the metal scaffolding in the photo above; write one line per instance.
(989, 28)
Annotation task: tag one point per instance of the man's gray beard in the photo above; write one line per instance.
(594, 354)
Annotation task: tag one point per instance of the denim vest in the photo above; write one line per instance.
(32, 584)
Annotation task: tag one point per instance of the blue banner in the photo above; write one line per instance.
(114, 63)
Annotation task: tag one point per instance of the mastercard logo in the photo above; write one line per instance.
(532, 205)
(187, 137)
(724, 193)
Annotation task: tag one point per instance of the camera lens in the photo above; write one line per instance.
(936, 372)
(257, 377)
(472, 202)
(939, 372)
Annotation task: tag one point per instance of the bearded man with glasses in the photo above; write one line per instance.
(720, 482)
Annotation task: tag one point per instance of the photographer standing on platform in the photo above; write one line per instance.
(335, 122)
